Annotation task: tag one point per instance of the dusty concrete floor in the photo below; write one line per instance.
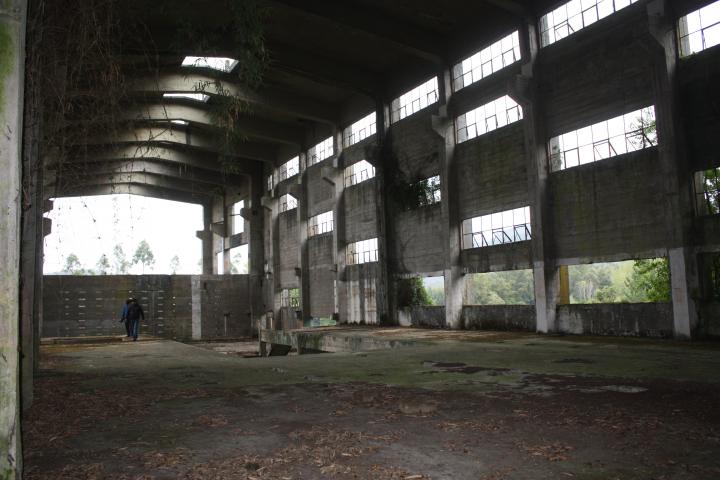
(509, 407)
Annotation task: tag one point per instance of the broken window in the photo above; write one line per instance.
(319, 224)
(239, 260)
(215, 63)
(288, 169)
(321, 151)
(360, 130)
(488, 117)
(364, 251)
(415, 100)
(511, 287)
(359, 172)
(497, 228)
(290, 297)
(576, 15)
(707, 191)
(287, 203)
(699, 30)
(198, 97)
(427, 191)
(487, 61)
(627, 133)
(236, 219)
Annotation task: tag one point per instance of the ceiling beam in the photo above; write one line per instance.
(181, 136)
(410, 39)
(513, 7)
(276, 99)
(133, 189)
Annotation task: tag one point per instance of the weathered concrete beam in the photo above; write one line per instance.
(252, 127)
(133, 189)
(273, 98)
(165, 169)
(181, 136)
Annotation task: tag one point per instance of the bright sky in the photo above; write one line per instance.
(91, 226)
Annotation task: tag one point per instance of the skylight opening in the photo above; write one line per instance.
(197, 97)
(220, 64)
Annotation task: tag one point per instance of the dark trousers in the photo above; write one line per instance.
(134, 326)
(127, 327)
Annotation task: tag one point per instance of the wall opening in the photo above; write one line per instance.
(239, 260)
(631, 281)
(707, 191)
(510, 287)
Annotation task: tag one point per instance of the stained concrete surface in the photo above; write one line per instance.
(507, 407)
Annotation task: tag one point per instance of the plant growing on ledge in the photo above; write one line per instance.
(411, 292)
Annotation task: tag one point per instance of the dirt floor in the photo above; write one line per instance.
(519, 407)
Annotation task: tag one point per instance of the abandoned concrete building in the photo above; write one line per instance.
(352, 147)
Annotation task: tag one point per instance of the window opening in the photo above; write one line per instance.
(321, 151)
(287, 203)
(497, 228)
(364, 251)
(707, 191)
(576, 15)
(270, 182)
(360, 130)
(427, 191)
(290, 297)
(630, 281)
(699, 30)
(239, 260)
(221, 64)
(319, 224)
(488, 117)
(220, 256)
(288, 169)
(236, 219)
(624, 134)
(198, 97)
(415, 100)
(359, 172)
(487, 61)
(510, 287)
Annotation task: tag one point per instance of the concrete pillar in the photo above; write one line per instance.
(454, 274)
(256, 245)
(302, 217)
(564, 275)
(336, 175)
(545, 273)
(673, 167)
(206, 236)
(13, 15)
(385, 314)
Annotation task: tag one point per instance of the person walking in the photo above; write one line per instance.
(123, 317)
(134, 315)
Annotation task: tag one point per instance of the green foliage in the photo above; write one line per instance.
(103, 265)
(143, 255)
(238, 264)
(650, 281)
(120, 262)
(411, 292)
(714, 279)
(500, 288)
(72, 265)
(589, 283)
(711, 188)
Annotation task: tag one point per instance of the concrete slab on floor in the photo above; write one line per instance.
(523, 407)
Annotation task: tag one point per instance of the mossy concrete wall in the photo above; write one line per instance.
(12, 57)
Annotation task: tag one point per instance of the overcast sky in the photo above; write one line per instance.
(91, 226)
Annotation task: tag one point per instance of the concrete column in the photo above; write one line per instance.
(256, 244)
(206, 236)
(673, 167)
(444, 125)
(13, 15)
(545, 273)
(336, 175)
(385, 313)
(302, 217)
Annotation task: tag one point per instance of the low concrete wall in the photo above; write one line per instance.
(180, 307)
(499, 317)
(429, 316)
(620, 319)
